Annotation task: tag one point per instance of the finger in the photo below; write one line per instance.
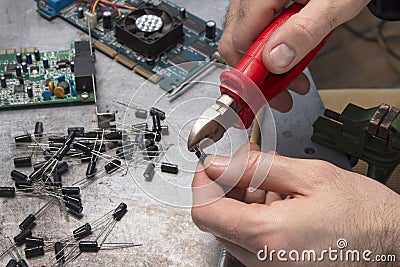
(305, 30)
(283, 102)
(252, 195)
(225, 45)
(272, 197)
(237, 193)
(275, 173)
(300, 85)
(252, 18)
(240, 253)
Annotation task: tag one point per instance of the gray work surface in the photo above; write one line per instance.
(168, 235)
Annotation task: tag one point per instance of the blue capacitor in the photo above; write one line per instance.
(73, 90)
(46, 94)
(70, 80)
(61, 78)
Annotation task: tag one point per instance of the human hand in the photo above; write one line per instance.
(245, 20)
(326, 204)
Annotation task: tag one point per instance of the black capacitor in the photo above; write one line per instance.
(18, 71)
(156, 111)
(152, 151)
(56, 139)
(38, 165)
(72, 66)
(8, 192)
(120, 211)
(107, 20)
(150, 136)
(112, 166)
(29, 91)
(19, 57)
(211, 28)
(62, 167)
(18, 176)
(147, 143)
(116, 135)
(21, 79)
(92, 134)
(91, 169)
(27, 222)
(12, 263)
(79, 12)
(76, 199)
(149, 172)
(156, 123)
(25, 138)
(45, 63)
(141, 113)
(23, 162)
(88, 246)
(63, 151)
(119, 152)
(37, 54)
(82, 231)
(74, 206)
(20, 238)
(141, 126)
(57, 179)
(55, 146)
(59, 252)
(34, 252)
(3, 82)
(47, 154)
(79, 131)
(70, 190)
(28, 58)
(75, 214)
(164, 130)
(34, 241)
(84, 147)
(25, 186)
(24, 67)
(22, 263)
(39, 129)
(182, 12)
(139, 138)
(169, 167)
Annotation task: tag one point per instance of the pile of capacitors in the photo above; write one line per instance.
(50, 156)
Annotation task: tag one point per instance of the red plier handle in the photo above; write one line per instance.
(253, 68)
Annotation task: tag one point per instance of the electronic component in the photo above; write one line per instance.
(51, 7)
(147, 39)
(158, 112)
(211, 27)
(203, 48)
(23, 162)
(149, 172)
(49, 79)
(169, 168)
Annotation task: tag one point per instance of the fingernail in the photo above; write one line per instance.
(282, 55)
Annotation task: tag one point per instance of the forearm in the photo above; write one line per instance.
(385, 9)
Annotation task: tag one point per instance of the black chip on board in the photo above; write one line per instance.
(19, 88)
(203, 48)
(7, 74)
(35, 67)
(182, 62)
(194, 25)
(11, 67)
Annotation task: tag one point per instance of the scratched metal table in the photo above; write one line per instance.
(168, 236)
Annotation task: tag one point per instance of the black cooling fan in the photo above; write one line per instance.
(149, 31)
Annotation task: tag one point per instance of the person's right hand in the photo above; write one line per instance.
(246, 19)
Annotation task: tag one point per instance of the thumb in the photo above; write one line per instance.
(269, 172)
(305, 30)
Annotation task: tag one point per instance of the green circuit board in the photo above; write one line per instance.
(28, 83)
(165, 68)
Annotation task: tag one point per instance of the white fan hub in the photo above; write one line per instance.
(149, 23)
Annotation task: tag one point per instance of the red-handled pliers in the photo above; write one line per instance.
(237, 88)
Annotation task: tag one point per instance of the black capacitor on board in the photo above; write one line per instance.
(28, 58)
(37, 54)
(23, 162)
(79, 12)
(19, 57)
(72, 66)
(18, 71)
(45, 62)
(107, 20)
(182, 12)
(3, 82)
(24, 67)
(29, 91)
(211, 27)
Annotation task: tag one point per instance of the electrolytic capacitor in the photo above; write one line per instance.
(169, 167)
(156, 111)
(45, 63)
(82, 231)
(19, 57)
(72, 190)
(141, 126)
(25, 186)
(149, 172)
(112, 166)
(7, 192)
(107, 20)
(211, 27)
(28, 58)
(24, 67)
(20, 238)
(182, 12)
(18, 71)
(141, 113)
(152, 151)
(23, 162)
(72, 66)
(116, 135)
(63, 151)
(18, 176)
(56, 139)
(22, 263)
(34, 252)
(74, 206)
(120, 211)
(164, 130)
(29, 91)
(39, 129)
(28, 222)
(88, 246)
(12, 263)
(57, 179)
(59, 252)
(79, 12)
(25, 138)
(32, 241)
(79, 131)
(37, 54)
(156, 123)
(62, 167)
(3, 82)
(20, 79)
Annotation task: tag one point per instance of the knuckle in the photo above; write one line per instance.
(308, 29)
(197, 217)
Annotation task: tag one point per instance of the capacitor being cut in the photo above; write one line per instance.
(3, 82)
(37, 54)
(211, 28)
(107, 20)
